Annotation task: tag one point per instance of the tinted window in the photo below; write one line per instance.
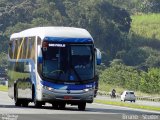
(129, 92)
(22, 48)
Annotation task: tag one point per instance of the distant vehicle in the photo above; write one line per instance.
(53, 65)
(128, 96)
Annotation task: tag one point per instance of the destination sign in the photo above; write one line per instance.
(57, 45)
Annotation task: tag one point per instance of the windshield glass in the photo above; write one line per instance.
(68, 62)
(82, 62)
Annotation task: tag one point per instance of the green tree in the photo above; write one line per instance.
(150, 82)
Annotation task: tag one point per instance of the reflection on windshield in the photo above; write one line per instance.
(81, 57)
(68, 63)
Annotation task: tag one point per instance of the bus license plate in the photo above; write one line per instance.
(67, 97)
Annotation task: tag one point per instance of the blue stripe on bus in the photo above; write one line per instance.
(68, 40)
(67, 87)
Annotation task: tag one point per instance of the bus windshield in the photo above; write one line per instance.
(68, 62)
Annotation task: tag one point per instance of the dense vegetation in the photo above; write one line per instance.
(127, 77)
(126, 31)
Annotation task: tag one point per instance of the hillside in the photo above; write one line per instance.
(137, 68)
(145, 37)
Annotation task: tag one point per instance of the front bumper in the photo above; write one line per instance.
(67, 95)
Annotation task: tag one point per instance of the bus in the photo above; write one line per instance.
(53, 65)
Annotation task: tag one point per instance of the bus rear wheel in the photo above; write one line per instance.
(82, 106)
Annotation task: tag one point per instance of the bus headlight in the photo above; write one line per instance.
(87, 89)
(48, 88)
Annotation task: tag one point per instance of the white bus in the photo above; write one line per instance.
(53, 65)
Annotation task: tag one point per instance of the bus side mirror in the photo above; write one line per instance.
(40, 59)
(98, 56)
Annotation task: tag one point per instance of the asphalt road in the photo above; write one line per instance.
(93, 112)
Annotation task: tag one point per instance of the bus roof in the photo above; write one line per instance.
(63, 32)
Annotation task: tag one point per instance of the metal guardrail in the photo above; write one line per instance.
(145, 98)
(148, 98)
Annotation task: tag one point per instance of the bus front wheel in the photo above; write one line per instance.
(55, 105)
(62, 106)
(82, 106)
(37, 104)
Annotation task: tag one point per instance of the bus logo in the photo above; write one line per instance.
(68, 91)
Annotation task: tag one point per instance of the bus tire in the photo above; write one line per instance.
(55, 105)
(37, 104)
(82, 106)
(62, 106)
(25, 104)
(16, 100)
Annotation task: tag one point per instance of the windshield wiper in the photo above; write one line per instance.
(79, 78)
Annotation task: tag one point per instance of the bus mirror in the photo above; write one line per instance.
(27, 68)
(98, 56)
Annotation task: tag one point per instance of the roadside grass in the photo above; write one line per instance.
(3, 88)
(108, 88)
(130, 105)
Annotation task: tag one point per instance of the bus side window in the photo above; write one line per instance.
(32, 48)
(21, 48)
(24, 49)
(16, 49)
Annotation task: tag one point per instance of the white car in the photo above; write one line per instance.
(128, 96)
